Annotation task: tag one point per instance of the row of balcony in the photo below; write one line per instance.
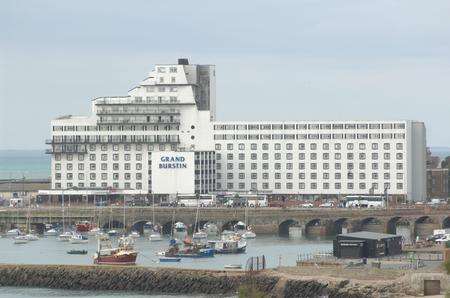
(137, 111)
(117, 140)
(138, 121)
(126, 100)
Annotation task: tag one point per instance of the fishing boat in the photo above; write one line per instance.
(83, 226)
(20, 239)
(51, 232)
(65, 237)
(13, 232)
(179, 230)
(78, 239)
(169, 259)
(77, 252)
(228, 245)
(123, 254)
(188, 252)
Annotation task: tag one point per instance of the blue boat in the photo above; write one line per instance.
(169, 259)
(202, 253)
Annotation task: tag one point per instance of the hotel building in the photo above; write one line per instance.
(163, 138)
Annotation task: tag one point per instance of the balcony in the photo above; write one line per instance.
(136, 121)
(66, 150)
(133, 101)
(137, 112)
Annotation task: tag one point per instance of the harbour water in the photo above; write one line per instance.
(49, 250)
(31, 164)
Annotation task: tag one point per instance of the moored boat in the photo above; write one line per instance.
(20, 240)
(77, 252)
(31, 237)
(249, 234)
(113, 233)
(211, 229)
(155, 236)
(65, 237)
(135, 234)
(78, 239)
(179, 230)
(169, 259)
(13, 232)
(51, 232)
(228, 245)
(124, 254)
(233, 266)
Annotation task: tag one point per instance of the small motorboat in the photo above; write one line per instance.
(233, 266)
(135, 234)
(31, 237)
(51, 232)
(65, 237)
(20, 240)
(13, 232)
(113, 233)
(77, 252)
(78, 239)
(249, 235)
(169, 259)
(155, 236)
(202, 253)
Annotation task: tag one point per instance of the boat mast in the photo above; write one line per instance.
(153, 209)
(62, 207)
(196, 213)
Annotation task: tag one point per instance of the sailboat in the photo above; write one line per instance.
(65, 236)
(248, 233)
(30, 236)
(200, 236)
(155, 234)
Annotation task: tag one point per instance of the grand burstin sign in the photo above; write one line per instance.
(172, 162)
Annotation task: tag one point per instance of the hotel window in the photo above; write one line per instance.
(277, 175)
(241, 146)
(57, 166)
(139, 157)
(265, 185)
(387, 176)
(265, 146)
(326, 176)
(58, 185)
(218, 166)
(230, 156)
(265, 176)
(126, 147)
(362, 175)
(337, 156)
(386, 146)
(313, 166)
(241, 156)
(301, 146)
(253, 156)
(301, 156)
(313, 146)
(399, 146)
(253, 176)
(362, 166)
(289, 166)
(362, 186)
(241, 185)
(374, 166)
(277, 146)
(218, 147)
(173, 79)
(58, 176)
(326, 185)
(241, 175)
(399, 176)
(289, 176)
(313, 156)
(288, 146)
(301, 185)
(127, 166)
(104, 166)
(218, 156)
(326, 166)
(350, 146)
(362, 146)
(374, 156)
(104, 147)
(362, 156)
(241, 166)
(387, 156)
(81, 184)
(301, 176)
(289, 185)
(374, 146)
(92, 147)
(69, 167)
(337, 176)
(277, 185)
(325, 146)
(313, 185)
(127, 176)
(399, 166)
(399, 185)
(265, 166)
(326, 156)
(92, 176)
(337, 186)
(350, 176)
(57, 157)
(350, 166)
(229, 166)
(104, 176)
(277, 166)
(386, 166)
(350, 185)
(265, 156)
(277, 156)
(230, 146)
(115, 166)
(80, 157)
(127, 185)
(115, 156)
(337, 166)
(138, 185)
(374, 175)
(127, 157)
(337, 146)
(104, 157)
(301, 166)
(161, 79)
(350, 156)
(69, 176)
(92, 166)
(69, 157)
(399, 155)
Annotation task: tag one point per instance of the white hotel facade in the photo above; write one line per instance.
(163, 138)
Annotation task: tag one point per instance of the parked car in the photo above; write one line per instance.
(307, 205)
(326, 205)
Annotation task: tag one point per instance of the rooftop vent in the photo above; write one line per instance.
(183, 61)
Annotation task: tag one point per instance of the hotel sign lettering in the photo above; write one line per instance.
(172, 162)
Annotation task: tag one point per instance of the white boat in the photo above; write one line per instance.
(240, 227)
(113, 233)
(155, 236)
(78, 239)
(179, 231)
(249, 235)
(199, 236)
(20, 240)
(65, 237)
(135, 234)
(51, 232)
(211, 229)
(94, 231)
(229, 245)
(233, 266)
(13, 232)
(31, 237)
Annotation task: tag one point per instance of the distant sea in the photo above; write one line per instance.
(31, 164)
(35, 164)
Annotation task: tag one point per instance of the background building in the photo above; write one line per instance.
(163, 138)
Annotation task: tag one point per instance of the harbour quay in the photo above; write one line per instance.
(412, 222)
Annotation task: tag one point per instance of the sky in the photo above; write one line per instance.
(275, 60)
